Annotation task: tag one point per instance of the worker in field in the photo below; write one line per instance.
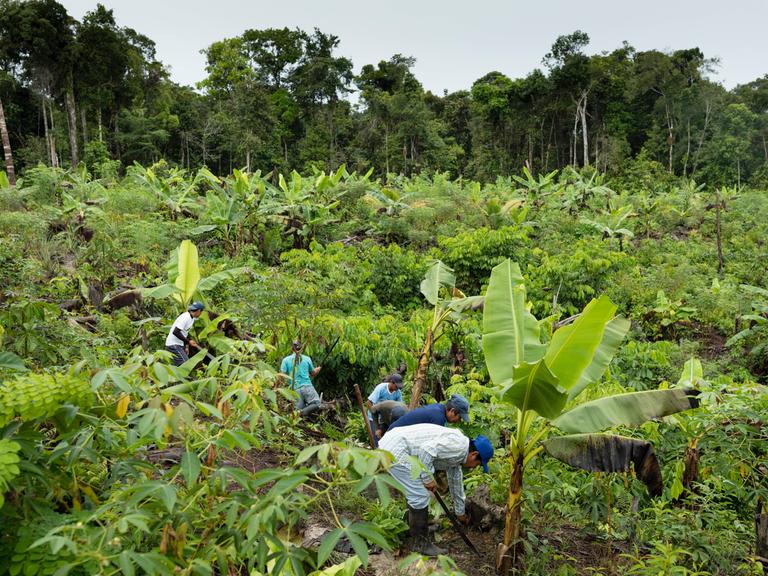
(390, 389)
(299, 370)
(178, 342)
(455, 409)
(436, 448)
(385, 414)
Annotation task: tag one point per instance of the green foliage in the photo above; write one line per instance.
(9, 465)
(39, 396)
(473, 254)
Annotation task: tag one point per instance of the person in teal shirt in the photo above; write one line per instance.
(299, 370)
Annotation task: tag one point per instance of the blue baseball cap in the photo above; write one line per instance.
(460, 405)
(195, 306)
(485, 449)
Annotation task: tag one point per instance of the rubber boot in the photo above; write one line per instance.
(419, 530)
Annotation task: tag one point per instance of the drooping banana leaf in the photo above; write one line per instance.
(438, 275)
(614, 334)
(534, 387)
(626, 409)
(510, 332)
(609, 453)
(189, 272)
(574, 346)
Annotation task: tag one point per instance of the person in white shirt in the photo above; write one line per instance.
(437, 448)
(178, 340)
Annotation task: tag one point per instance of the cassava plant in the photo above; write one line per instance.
(540, 379)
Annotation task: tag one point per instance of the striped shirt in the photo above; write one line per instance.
(437, 448)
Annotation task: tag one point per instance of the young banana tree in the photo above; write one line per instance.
(540, 379)
(439, 278)
(184, 281)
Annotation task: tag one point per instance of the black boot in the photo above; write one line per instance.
(419, 530)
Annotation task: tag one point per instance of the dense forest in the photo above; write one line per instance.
(578, 254)
(283, 99)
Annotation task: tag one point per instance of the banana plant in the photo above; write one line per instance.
(535, 191)
(540, 379)
(184, 281)
(439, 288)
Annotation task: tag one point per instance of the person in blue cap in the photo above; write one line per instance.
(436, 448)
(455, 409)
(178, 342)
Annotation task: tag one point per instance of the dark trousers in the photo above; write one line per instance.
(179, 354)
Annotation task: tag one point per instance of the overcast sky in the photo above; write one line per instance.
(456, 42)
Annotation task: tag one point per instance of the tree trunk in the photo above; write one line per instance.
(72, 124)
(420, 379)
(720, 263)
(670, 137)
(508, 552)
(83, 127)
(53, 136)
(761, 532)
(7, 148)
(584, 132)
(707, 111)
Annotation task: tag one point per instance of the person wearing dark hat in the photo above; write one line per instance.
(436, 448)
(178, 342)
(390, 389)
(455, 409)
(299, 370)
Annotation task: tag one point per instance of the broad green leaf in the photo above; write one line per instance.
(190, 467)
(210, 282)
(510, 332)
(692, 373)
(197, 230)
(189, 273)
(572, 347)
(160, 292)
(534, 387)
(614, 334)
(609, 453)
(327, 545)
(438, 275)
(626, 409)
(10, 361)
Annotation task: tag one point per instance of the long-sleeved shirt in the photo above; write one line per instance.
(431, 414)
(437, 448)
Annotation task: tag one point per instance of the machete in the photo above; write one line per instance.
(455, 522)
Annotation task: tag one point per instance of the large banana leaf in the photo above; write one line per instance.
(210, 282)
(510, 332)
(438, 275)
(534, 387)
(574, 346)
(614, 334)
(609, 453)
(626, 409)
(189, 272)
